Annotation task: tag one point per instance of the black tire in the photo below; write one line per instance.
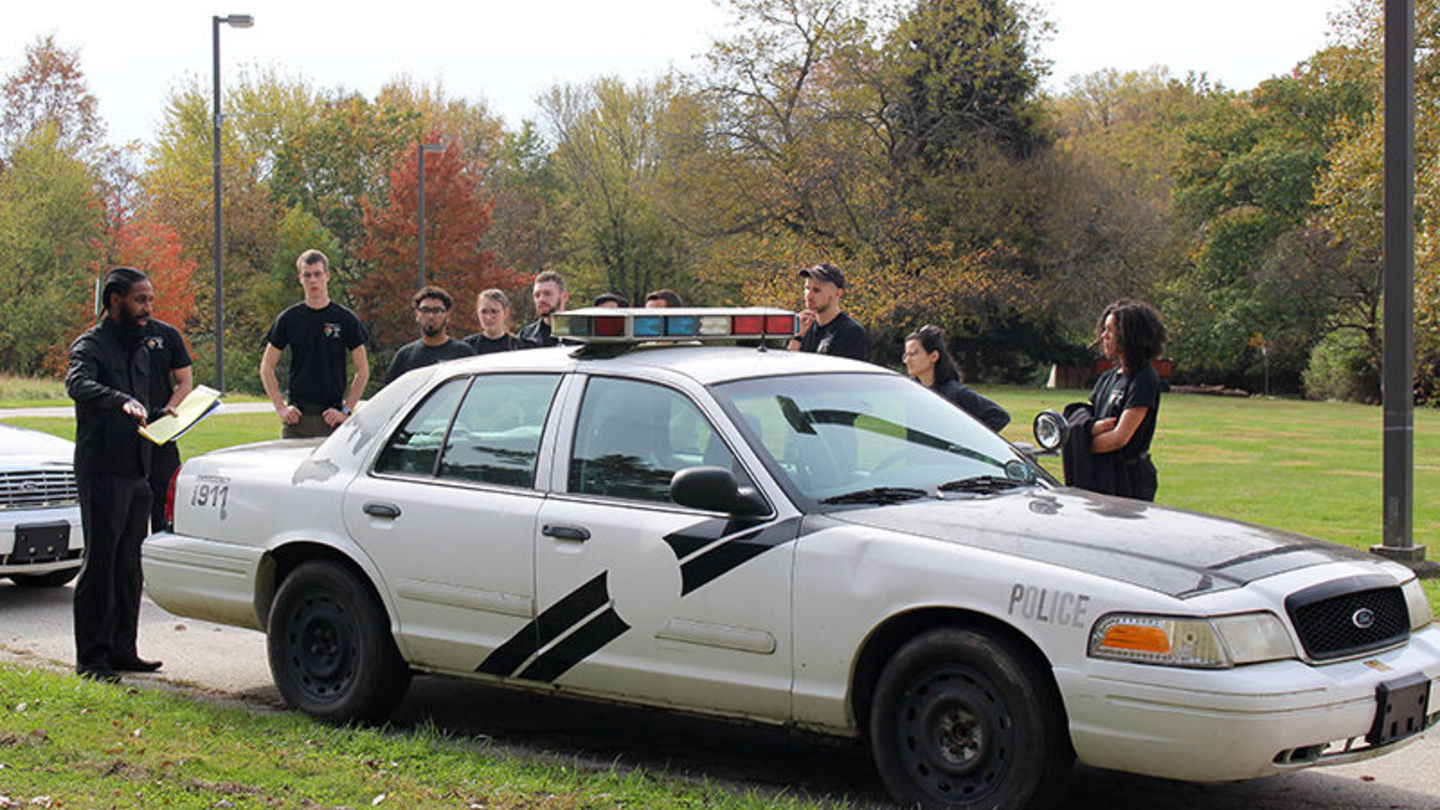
(330, 648)
(962, 719)
(53, 579)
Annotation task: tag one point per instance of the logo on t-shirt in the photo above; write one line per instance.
(332, 330)
(155, 343)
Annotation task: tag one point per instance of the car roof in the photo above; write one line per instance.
(708, 364)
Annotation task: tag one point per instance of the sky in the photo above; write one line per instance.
(507, 53)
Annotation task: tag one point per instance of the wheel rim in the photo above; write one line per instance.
(956, 737)
(321, 642)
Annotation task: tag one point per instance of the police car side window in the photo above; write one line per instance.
(632, 437)
(415, 447)
(496, 435)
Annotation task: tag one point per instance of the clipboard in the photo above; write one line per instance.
(198, 404)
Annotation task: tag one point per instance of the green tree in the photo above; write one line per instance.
(52, 227)
(610, 155)
(1246, 182)
(1350, 195)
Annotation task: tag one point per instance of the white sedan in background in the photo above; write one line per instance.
(40, 539)
(791, 539)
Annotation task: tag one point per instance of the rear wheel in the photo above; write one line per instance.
(53, 579)
(330, 648)
(962, 719)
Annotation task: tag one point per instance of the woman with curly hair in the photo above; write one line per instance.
(1126, 399)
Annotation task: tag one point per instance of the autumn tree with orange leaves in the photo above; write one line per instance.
(457, 217)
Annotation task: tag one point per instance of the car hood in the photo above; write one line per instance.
(30, 448)
(1171, 550)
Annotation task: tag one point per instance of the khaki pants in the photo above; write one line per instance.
(310, 426)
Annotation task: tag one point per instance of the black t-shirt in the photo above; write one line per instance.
(319, 341)
(418, 355)
(536, 335)
(1115, 393)
(167, 353)
(986, 410)
(484, 345)
(842, 337)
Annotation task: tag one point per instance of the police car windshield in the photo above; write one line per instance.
(830, 435)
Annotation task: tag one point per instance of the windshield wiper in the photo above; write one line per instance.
(982, 483)
(877, 495)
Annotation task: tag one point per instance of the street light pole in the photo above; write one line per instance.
(1398, 368)
(238, 21)
(421, 149)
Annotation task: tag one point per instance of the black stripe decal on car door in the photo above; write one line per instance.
(576, 647)
(547, 627)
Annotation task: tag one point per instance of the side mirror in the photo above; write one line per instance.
(1050, 430)
(715, 489)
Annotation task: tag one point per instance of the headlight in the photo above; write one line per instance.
(1418, 604)
(1184, 641)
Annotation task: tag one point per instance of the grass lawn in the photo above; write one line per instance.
(65, 742)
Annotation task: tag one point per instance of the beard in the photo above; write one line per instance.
(132, 327)
(432, 331)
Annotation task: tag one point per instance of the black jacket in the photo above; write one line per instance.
(1106, 473)
(103, 374)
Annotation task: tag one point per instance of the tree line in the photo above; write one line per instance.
(911, 142)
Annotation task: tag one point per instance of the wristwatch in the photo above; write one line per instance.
(344, 410)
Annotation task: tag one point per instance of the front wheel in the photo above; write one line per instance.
(331, 652)
(962, 719)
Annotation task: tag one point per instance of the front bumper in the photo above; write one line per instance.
(1220, 725)
(41, 554)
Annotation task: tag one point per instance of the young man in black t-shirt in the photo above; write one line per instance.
(824, 328)
(319, 333)
(550, 296)
(171, 380)
(432, 311)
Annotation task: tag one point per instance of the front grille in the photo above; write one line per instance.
(1349, 617)
(37, 489)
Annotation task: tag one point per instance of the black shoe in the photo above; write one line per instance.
(136, 664)
(99, 674)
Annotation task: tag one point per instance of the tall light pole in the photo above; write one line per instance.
(421, 149)
(238, 21)
(1398, 368)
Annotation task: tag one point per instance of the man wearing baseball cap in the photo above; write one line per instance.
(824, 328)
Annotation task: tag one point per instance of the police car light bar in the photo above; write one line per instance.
(609, 325)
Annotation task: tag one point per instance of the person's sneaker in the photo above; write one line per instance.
(100, 674)
(136, 664)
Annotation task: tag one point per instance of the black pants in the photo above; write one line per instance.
(115, 514)
(163, 464)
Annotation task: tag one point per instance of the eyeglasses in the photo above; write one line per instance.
(430, 310)
(909, 354)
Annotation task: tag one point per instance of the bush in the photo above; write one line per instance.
(1343, 366)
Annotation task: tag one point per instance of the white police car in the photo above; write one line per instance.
(793, 539)
(40, 538)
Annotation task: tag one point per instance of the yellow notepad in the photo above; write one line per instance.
(199, 404)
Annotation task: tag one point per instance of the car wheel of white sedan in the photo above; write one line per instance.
(964, 720)
(54, 579)
(331, 652)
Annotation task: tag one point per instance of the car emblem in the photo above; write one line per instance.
(1363, 618)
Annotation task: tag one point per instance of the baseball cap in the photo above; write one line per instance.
(824, 271)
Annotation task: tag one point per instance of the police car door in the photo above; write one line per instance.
(448, 514)
(641, 597)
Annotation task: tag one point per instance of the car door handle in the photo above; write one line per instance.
(382, 510)
(565, 532)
